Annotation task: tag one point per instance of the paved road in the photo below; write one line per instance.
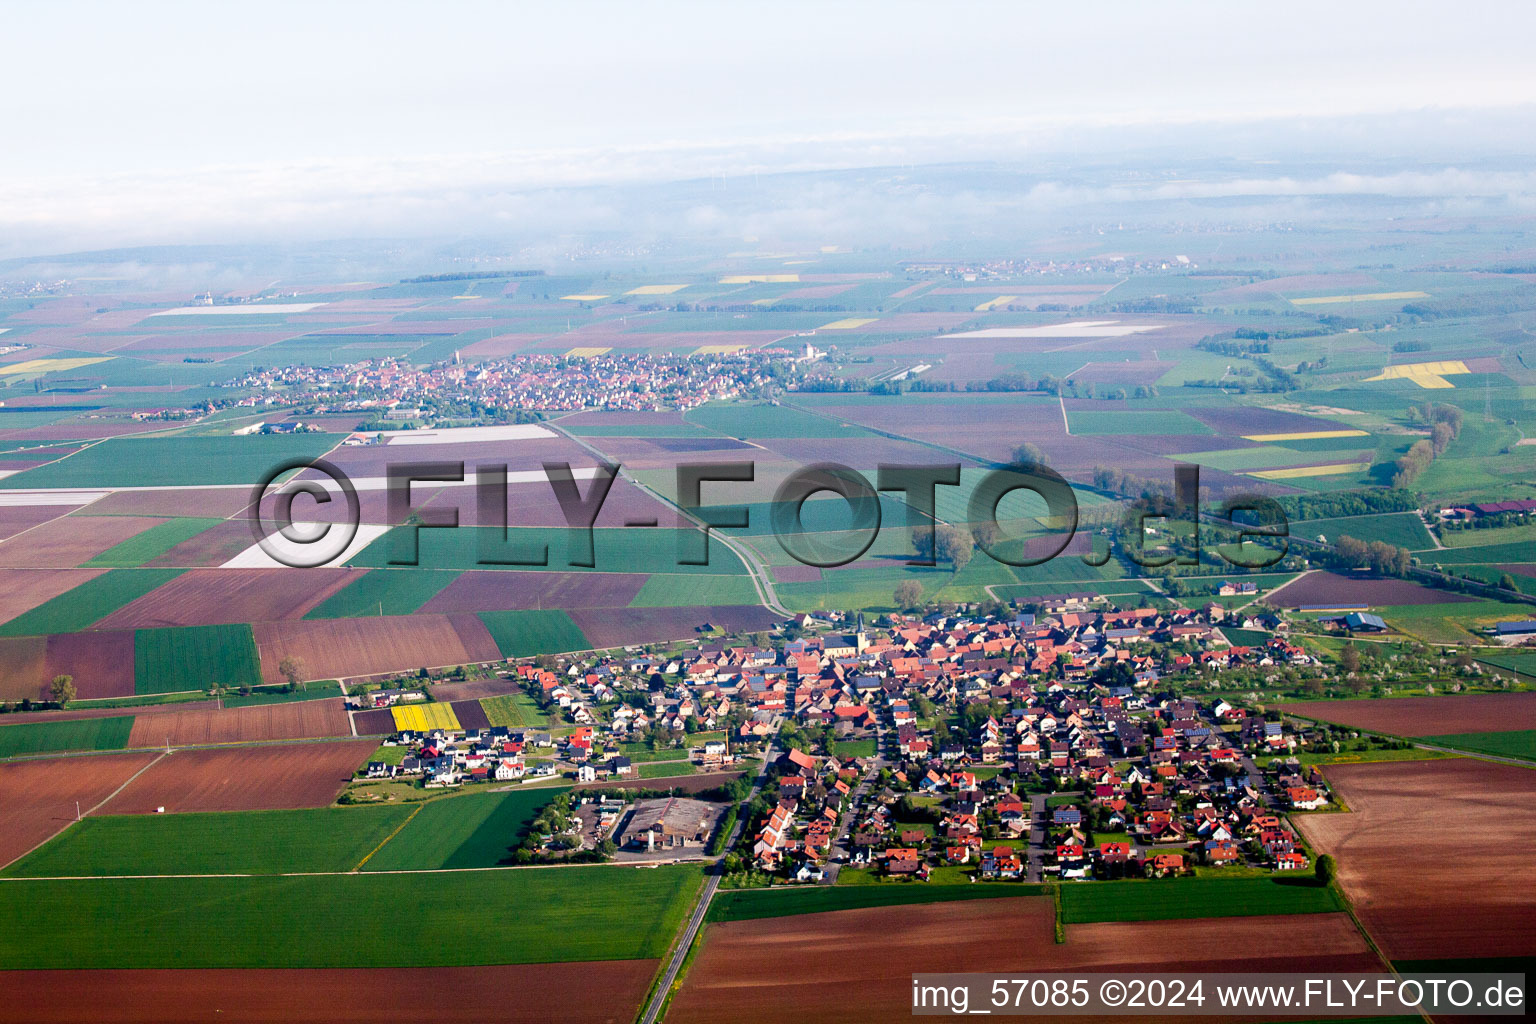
(1034, 872)
(696, 919)
(845, 821)
(760, 574)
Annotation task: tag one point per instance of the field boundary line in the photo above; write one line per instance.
(387, 838)
(93, 810)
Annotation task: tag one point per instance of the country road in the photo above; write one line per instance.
(696, 919)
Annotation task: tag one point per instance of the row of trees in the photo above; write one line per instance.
(1444, 422)
(1376, 555)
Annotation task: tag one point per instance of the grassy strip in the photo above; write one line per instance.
(346, 920)
(1165, 899)
(73, 734)
(754, 904)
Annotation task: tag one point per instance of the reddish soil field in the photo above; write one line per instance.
(601, 992)
(1254, 420)
(39, 796)
(1324, 589)
(1402, 852)
(1519, 568)
(214, 546)
(866, 958)
(71, 540)
(20, 717)
(1426, 716)
(378, 722)
(80, 430)
(617, 627)
(101, 662)
(470, 714)
(1295, 285)
(16, 518)
(23, 667)
(475, 690)
(503, 344)
(333, 648)
(207, 502)
(243, 778)
(491, 589)
(796, 574)
(681, 783)
(360, 461)
(21, 590)
(200, 597)
(295, 720)
(478, 643)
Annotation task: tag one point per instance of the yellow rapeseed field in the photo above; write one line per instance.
(51, 365)
(1425, 375)
(1336, 469)
(425, 717)
(1323, 300)
(1001, 300)
(1306, 435)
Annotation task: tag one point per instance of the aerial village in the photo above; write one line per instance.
(1038, 745)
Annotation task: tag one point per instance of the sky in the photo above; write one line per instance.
(150, 119)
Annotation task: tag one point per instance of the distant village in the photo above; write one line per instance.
(595, 378)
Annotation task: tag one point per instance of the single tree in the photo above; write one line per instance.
(291, 668)
(961, 557)
(62, 689)
(1326, 868)
(909, 594)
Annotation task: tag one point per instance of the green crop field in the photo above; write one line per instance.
(769, 421)
(1405, 529)
(854, 748)
(1524, 533)
(92, 600)
(1161, 899)
(152, 543)
(74, 734)
(350, 920)
(614, 550)
(515, 711)
(524, 633)
(279, 694)
(237, 842)
(474, 830)
(397, 591)
(173, 461)
(180, 658)
(1142, 421)
(666, 769)
(755, 904)
(673, 590)
(1519, 743)
(1455, 623)
(1513, 551)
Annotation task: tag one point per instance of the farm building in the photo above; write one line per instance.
(1525, 627)
(673, 823)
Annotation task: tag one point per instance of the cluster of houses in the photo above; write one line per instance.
(547, 382)
(444, 757)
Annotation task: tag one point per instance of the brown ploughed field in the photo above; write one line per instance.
(39, 796)
(1436, 855)
(21, 590)
(1328, 589)
(1425, 716)
(66, 542)
(333, 648)
(244, 778)
(200, 597)
(296, 720)
(601, 992)
(858, 964)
